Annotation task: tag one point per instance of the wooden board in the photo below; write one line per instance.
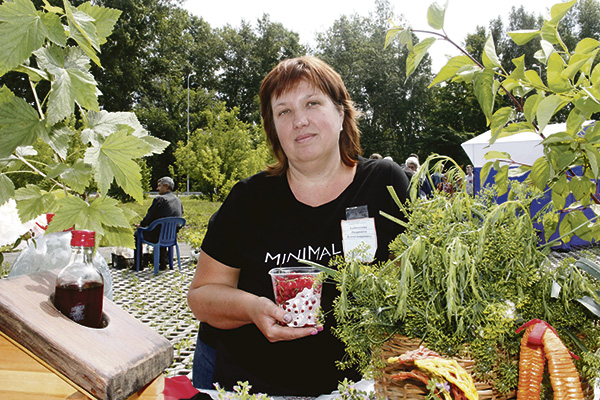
(24, 376)
(115, 362)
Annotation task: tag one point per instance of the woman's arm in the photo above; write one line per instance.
(215, 299)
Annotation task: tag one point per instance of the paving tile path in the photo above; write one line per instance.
(160, 302)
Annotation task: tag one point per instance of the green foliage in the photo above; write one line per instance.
(222, 153)
(197, 214)
(4, 267)
(82, 146)
(156, 44)
(246, 55)
(572, 86)
(453, 118)
(468, 271)
(348, 391)
(118, 193)
(241, 391)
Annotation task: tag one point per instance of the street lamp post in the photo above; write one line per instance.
(188, 122)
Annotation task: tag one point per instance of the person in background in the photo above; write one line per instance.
(446, 185)
(412, 164)
(437, 178)
(411, 167)
(375, 156)
(470, 179)
(291, 210)
(166, 204)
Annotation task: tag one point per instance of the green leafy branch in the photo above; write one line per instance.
(570, 164)
(90, 148)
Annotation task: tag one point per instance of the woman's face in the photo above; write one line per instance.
(308, 124)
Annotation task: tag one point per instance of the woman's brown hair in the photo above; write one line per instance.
(283, 78)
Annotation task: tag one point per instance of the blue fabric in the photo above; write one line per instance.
(204, 366)
(539, 205)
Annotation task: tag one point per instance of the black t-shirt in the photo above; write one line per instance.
(261, 226)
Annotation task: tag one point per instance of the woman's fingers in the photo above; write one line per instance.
(272, 322)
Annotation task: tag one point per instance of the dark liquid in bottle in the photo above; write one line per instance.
(82, 305)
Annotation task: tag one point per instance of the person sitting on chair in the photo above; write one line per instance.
(166, 204)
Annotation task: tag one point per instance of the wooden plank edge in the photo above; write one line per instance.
(49, 367)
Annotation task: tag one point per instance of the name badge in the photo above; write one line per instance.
(359, 239)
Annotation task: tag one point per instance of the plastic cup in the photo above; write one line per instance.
(298, 291)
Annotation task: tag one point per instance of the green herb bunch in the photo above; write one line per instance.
(468, 272)
(348, 391)
(241, 391)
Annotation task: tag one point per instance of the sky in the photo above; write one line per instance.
(307, 17)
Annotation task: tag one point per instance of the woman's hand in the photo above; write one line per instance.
(214, 298)
(272, 321)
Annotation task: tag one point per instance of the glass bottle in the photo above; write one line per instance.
(79, 285)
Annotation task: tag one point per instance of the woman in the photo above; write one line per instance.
(293, 210)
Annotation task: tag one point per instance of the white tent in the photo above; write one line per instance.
(523, 147)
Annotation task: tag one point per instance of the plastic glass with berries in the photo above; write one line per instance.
(298, 291)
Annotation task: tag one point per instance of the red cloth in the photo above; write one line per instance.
(179, 387)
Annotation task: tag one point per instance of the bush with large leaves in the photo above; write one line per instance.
(90, 148)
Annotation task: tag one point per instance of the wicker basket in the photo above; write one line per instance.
(386, 387)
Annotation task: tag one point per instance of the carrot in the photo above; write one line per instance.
(531, 368)
(563, 374)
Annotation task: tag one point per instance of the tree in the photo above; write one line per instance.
(157, 44)
(453, 117)
(246, 57)
(393, 108)
(588, 19)
(224, 151)
(153, 40)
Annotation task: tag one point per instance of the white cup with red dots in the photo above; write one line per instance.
(298, 291)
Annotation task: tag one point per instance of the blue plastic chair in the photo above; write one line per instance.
(168, 238)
